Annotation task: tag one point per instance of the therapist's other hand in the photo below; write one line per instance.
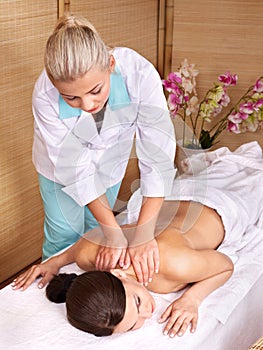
(145, 260)
(46, 271)
(113, 252)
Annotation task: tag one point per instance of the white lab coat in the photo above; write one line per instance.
(69, 150)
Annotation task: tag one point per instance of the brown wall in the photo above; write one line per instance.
(218, 36)
(24, 26)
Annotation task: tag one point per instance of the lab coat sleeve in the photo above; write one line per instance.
(155, 138)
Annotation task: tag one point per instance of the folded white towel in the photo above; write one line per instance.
(200, 161)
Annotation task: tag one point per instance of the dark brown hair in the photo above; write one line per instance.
(95, 300)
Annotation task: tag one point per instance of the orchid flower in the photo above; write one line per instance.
(245, 115)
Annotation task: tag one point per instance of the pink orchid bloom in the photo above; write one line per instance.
(175, 89)
(245, 115)
(258, 104)
(188, 70)
(170, 86)
(173, 108)
(176, 100)
(193, 105)
(252, 127)
(186, 98)
(175, 77)
(187, 85)
(234, 118)
(225, 99)
(228, 79)
(247, 107)
(237, 117)
(167, 85)
(258, 87)
(232, 127)
(217, 110)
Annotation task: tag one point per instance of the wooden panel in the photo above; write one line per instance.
(123, 23)
(24, 28)
(218, 36)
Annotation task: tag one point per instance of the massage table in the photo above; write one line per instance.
(231, 318)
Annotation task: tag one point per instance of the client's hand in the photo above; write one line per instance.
(145, 260)
(46, 270)
(181, 313)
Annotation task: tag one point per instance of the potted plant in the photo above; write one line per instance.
(245, 115)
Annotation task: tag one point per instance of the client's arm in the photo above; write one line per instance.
(47, 269)
(207, 270)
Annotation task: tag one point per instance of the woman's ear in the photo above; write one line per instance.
(118, 273)
(112, 63)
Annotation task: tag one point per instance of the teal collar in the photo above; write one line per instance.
(118, 98)
(66, 111)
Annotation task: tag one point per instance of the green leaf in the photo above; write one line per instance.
(205, 140)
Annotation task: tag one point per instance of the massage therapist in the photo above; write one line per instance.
(89, 104)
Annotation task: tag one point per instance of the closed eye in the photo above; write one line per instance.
(71, 98)
(96, 92)
(137, 300)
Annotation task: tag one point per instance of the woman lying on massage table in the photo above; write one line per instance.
(103, 303)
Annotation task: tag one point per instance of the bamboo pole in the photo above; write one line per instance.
(168, 36)
(63, 7)
(161, 37)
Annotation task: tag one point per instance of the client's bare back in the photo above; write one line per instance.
(200, 225)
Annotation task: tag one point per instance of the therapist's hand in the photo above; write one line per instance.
(46, 271)
(145, 260)
(113, 252)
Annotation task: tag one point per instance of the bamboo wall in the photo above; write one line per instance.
(126, 23)
(24, 27)
(216, 35)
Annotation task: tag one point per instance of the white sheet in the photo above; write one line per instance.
(229, 318)
(29, 321)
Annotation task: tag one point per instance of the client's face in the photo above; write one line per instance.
(140, 304)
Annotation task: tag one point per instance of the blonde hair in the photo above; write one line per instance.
(73, 49)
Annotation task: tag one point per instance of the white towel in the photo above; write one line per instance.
(200, 161)
(232, 184)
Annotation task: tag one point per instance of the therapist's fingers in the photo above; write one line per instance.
(138, 270)
(127, 260)
(99, 263)
(156, 259)
(151, 267)
(122, 259)
(139, 260)
(141, 269)
(146, 261)
(107, 258)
